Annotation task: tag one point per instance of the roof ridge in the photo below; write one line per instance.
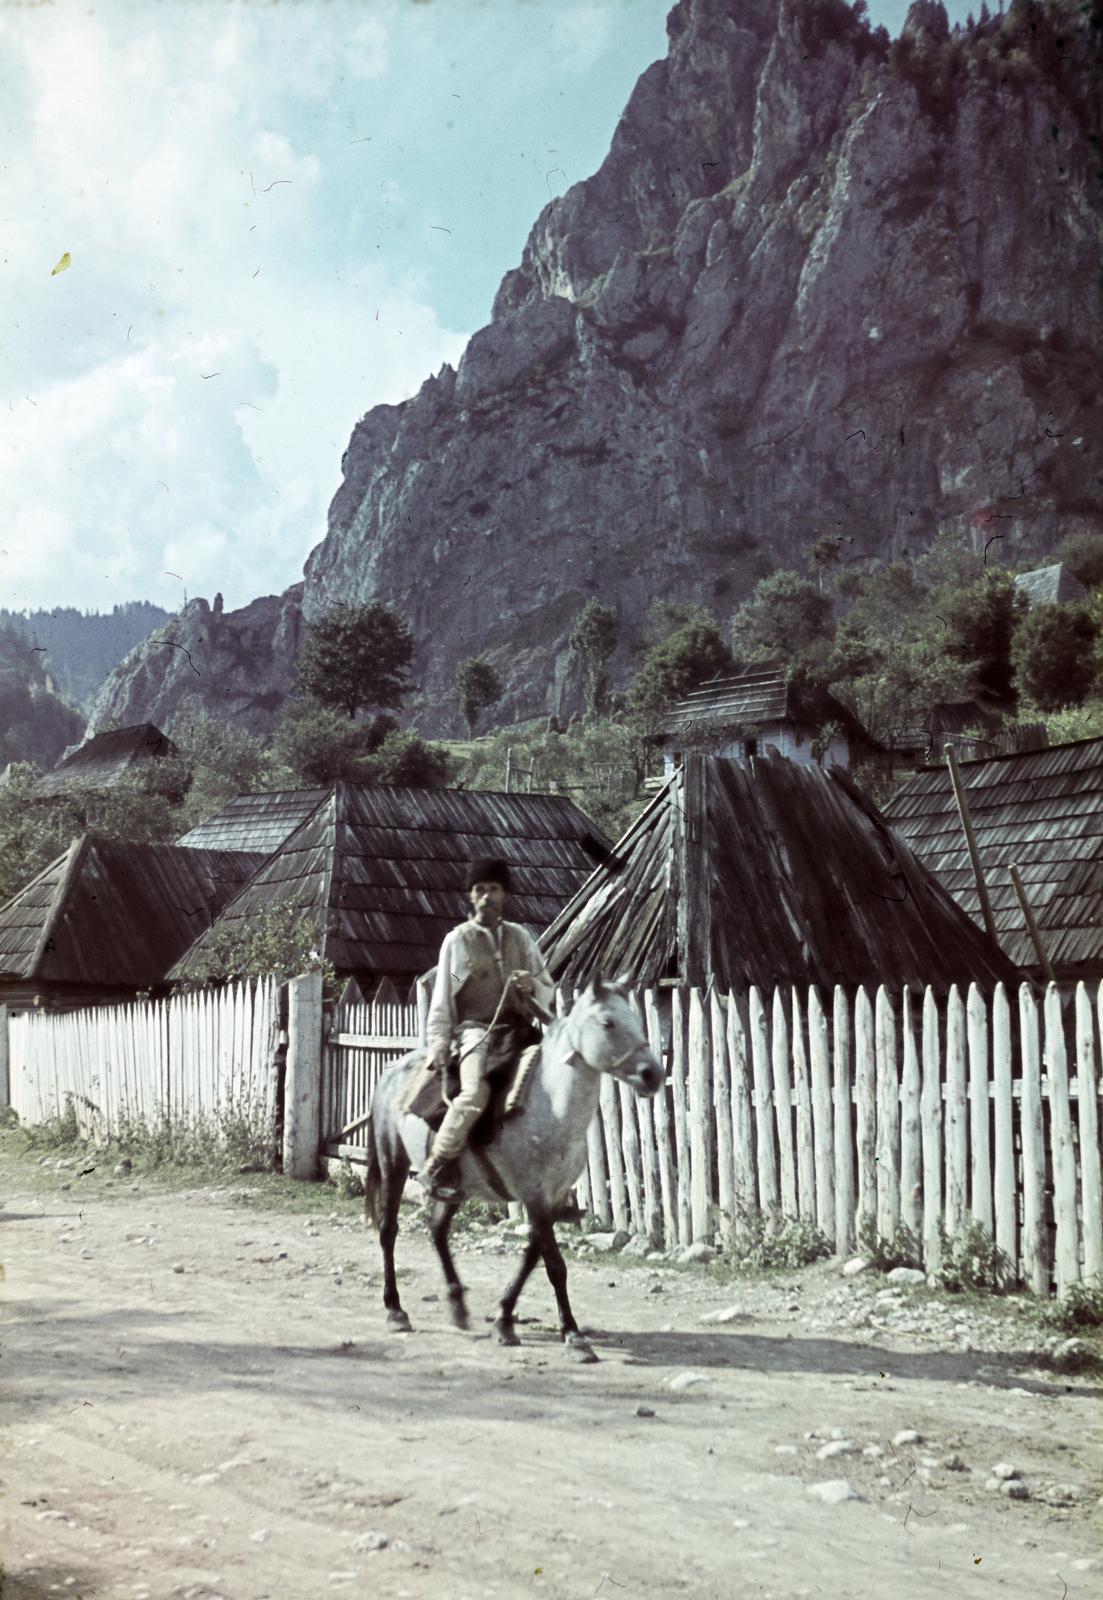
(77, 849)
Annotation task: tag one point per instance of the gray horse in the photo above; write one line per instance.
(535, 1157)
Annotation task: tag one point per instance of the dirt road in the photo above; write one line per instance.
(201, 1400)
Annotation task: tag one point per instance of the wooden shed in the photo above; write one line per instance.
(379, 872)
(1039, 809)
(111, 759)
(763, 872)
(108, 919)
(256, 822)
(755, 711)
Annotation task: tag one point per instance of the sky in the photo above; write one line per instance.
(228, 228)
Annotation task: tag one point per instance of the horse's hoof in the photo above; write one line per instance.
(399, 1322)
(460, 1319)
(579, 1349)
(506, 1334)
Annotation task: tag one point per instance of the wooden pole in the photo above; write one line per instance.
(1031, 924)
(970, 840)
(303, 1078)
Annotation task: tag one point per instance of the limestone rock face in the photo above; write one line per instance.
(809, 292)
(231, 664)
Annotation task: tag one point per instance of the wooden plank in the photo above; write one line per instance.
(699, 1117)
(957, 1149)
(722, 1115)
(649, 1163)
(865, 1082)
(930, 1116)
(630, 1156)
(1006, 1218)
(887, 1144)
(743, 1155)
(842, 1035)
(599, 1170)
(911, 1154)
(1062, 1150)
(679, 1066)
(1035, 1265)
(668, 1183)
(802, 1099)
(783, 1106)
(610, 1118)
(1087, 1105)
(822, 1121)
(980, 1150)
(768, 1192)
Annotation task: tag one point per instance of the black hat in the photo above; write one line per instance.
(490, 870)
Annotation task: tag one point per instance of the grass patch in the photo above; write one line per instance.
(1079, 1310)
(901, 1250)
(766, 1240)
(971, 1261)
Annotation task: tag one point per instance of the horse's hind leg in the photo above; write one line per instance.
(578, 1347)
(440, 1220)
(503, 1323)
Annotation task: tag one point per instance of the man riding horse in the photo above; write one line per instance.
(491, 982)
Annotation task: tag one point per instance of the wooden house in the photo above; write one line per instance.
(1039, 809)
(378, 872)
(752, 713)
(1053, 585)
(260, 823)
(108, 919)
(111, 760)
(765, 872)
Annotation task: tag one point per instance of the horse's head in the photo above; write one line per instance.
(605, 1032)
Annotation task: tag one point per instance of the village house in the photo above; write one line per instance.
(378, 872)
(759, 710)
(1054, 585)
(108, 761)
(1041, 810)
(767, 872)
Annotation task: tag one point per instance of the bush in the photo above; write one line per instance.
(901, 1250)
(1080, 1307)
(769, 1239)
(972, 1262)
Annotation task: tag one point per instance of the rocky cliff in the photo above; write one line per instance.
(823, 284)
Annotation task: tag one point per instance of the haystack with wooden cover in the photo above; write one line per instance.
(1041, 810)
(256, 822)
(378, 872)
(763, 872)
(109, 760)
(109, 918)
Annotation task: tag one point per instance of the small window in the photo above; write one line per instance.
(752, 747)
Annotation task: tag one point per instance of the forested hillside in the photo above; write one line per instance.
(82, 647)
(35, 723)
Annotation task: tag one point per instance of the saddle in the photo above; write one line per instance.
(510, 1071)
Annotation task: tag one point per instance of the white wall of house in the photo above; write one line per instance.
(793, 743)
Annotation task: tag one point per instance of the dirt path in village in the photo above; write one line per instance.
(200, 1400)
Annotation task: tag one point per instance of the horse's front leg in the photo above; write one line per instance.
(503, 1323)
(440, 1221)
(578, 1346)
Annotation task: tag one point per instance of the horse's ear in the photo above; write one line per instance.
(624, 983)
(597, 988)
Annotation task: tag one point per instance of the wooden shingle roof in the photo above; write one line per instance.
(107, 760)
(1039, 809)
(258, 822)
(1055, 585)
(760, 695)
(764, 872)
(114, 914)
(380, 870)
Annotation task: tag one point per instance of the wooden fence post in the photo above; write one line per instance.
(822, 1129)
(1087, 1089)
(763, 1105)
(5, 1058)
(303, 1077)
(957, 1136)
(930, 1115)
(802, 1096)
(844, 1145)
(741, 1116)
(700, 1116)
(887, 1144)
(783, 1107)
(681, 1134)
(1006, 1218)
(1067, 1254)
(864, 1086)
(1035, 1257)
(722, 1111)
(911, 1176)
(980, 1152)
(610, 1121)
(668, 1189)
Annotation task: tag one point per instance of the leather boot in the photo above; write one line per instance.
(440, 1180)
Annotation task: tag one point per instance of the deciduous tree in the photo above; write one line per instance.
(356, 656)
(478, 686)
(594, 639)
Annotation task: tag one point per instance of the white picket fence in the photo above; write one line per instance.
(879, 1112)
(208, 1054)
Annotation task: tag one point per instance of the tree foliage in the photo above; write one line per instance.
(1082, 554)
(980, 621)
(315, 746)
(356, 656)
(281, 942)
(692, 650)
(478, 687)
(1055, 655)
(786, 617)
(594, 639)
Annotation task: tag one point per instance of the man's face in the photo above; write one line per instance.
(487, 903)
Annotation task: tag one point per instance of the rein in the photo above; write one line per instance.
(577, 1057)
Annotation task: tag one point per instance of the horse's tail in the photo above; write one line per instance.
(373, 1181)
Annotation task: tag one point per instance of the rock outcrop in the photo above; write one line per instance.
(822, 285)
